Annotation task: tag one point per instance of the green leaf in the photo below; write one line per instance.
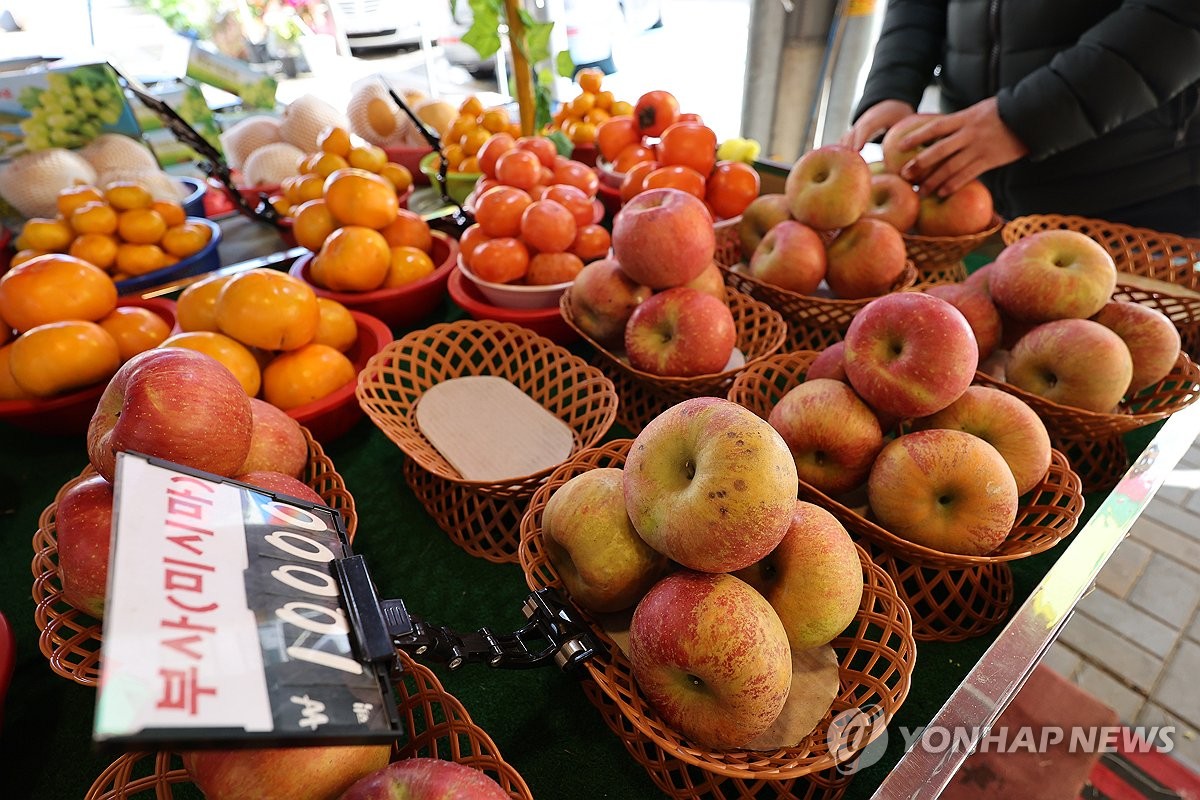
(484, 34)
(564, 65)
(562, 143)
(537, 41)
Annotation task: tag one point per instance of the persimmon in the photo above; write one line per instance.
(312, 223)
(126, 195)
(135, 330)
(498, 211)
(268, 309)
(187, 239)
(407, 264)
(139, 259)
(336, 327)
(354, 259)
(368, 157)
(9, 390)
(72, 197)
(501, 260)
(95, 248)
(305, 375)
(225, 349)
(60, 356)
(54, 288)
(196, 308)
(94, 217)
(408, 230)
(172, 213)
(358, 197)
(47, 234)
(141, 226)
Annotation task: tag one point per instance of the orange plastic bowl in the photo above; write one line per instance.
(546, 322)
(410, 157)
(336, 413)
(70, 413)
(404, 306)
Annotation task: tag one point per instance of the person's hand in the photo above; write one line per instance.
(959, 148)
(874, 121)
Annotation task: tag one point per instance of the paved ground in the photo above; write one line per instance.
(1134, 642)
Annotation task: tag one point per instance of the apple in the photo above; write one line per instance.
(894, 158)
(967, 211)
(865, 260)
(602, 299)
(813, 579)
(282, 773)
(710, 484)
(1007, 423)
(980, 278)
(282, 484)
(179, 405)
(83, 528)
(1073, 362)
(277, 442)
(590, 541)
(426, 779)
(947, 490)
(910, 354)
(833, 435)
(1152, 339)
(791, 256)
(981, 313)
(829, 187)
(894, 201)
(663, 238)
(1052, 274)
(680, 332)
(711, 656)
(764, 213)
(828, 364)
(710, 281)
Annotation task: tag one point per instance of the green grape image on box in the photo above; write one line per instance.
(74, 108)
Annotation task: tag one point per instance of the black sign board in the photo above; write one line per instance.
(225, 623)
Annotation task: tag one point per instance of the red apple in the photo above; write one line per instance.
(282, 773)
(83, 528)
(283, 484)
(828, 364)
(426, 779)
(1007, 423)
(832, 434)
(711, 656)
(680, 332)
(894, 201)
(277, 442)
(944, 489)
(977, 307)
(1073, 362)
(1052, 274)
(1152, 339)
(764, 213)
(710, 484)
(910, 354)
(602, 299)
(829, 187)
(893, 157)
(791, 256)
(813, 579)
(176, 404)
(710, 281)
(865, 260)
(967, 211)
(663, 238)
(980, 278)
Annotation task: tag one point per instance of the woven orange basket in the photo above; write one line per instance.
(809, 317)
(876, 656)
(936, 255)
(1092, 440)
(70, 638)
(952, 596)
(643, 396)
(954, 272)
(1141, 252)
(481, 517)
(437, 723)
(729, 243)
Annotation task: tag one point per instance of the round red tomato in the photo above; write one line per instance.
(655, 112)
(472, 237)
(519, 168)
(635, 180)
(578, 203)
(498, 211)
(548, 227)
(491, 151)
(687, 144)
(689, 117)
(633, 154)
(732, 186)
(581, 176)
(591, 242)
(541, 147)
(500, 260)
(615, 134)
(683, 178)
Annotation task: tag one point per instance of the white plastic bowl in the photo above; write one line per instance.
(508, 295)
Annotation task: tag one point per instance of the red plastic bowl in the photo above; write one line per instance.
(585, 154)
(410, 157)
(546, 322)
(404, 306)
(69, 414)
(334, 414)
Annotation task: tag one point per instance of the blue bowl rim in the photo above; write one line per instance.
(180, 268)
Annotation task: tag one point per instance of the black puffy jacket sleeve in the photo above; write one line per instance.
(910, 46)
(1134, 60)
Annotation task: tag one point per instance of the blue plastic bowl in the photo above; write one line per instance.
(193, 202)
(208, 259)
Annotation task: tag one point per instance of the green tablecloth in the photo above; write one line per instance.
(540, 719)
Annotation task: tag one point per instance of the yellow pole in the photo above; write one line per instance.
(522, 74)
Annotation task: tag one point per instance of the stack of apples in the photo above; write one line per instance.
(658, 147)
(952, 483)
(272, 332)
(535, 215)
(710, 487)
(822, 236)
(660, 296)
(1048, 297)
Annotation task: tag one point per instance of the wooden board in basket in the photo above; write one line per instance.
(876, 655)
(70, 638)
